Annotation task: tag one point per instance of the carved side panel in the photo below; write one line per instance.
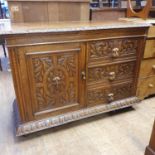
(106, 95)
(111, 72)
(55, 79)
(104, 48)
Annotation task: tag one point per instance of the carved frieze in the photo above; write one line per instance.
(27, 128)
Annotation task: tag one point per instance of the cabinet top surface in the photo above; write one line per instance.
(7, 28)
(139, 20)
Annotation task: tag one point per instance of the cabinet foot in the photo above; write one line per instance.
(149, 151)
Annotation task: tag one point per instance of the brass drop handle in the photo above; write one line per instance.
(83, 75)
(56, 80)
(151, 85)
(115, 52)
(112, 76)
(153, 67)
(110, 97)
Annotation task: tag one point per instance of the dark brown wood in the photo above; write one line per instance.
(150, 149)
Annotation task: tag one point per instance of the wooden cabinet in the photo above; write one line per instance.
(146, 84)
(60, 77)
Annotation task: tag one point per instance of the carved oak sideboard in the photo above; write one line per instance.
(64, 73)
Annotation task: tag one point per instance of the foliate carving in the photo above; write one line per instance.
(55, 80)
(96, 96)
(101, 95)
(121, 71)
(104, 48)
(71, 91)
(27, 128)
(68, 61)
(39, 65)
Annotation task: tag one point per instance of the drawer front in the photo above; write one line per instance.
(149, 49)
(103, 95)
(146, 87)
(111, 73)
(147, 68)
(106, 50)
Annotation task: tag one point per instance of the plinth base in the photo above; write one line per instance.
(38, 125)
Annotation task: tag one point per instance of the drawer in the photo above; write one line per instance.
(111, 73)
(146, 87)
(147, 68)
(103, 95)
(111, 49)
(149, 49)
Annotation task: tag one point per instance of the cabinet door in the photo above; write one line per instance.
(55, 80)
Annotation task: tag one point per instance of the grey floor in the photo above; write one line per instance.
(126, 132)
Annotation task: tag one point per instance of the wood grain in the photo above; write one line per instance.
(147, 68)
(49, 11)
(151, 32)
(35, 12)
(149, 49)
(146, 87)
(107, 15)
(16, 15)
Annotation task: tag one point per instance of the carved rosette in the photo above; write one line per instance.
(103, 49)
(55, 80)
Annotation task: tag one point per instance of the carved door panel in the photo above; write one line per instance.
(57, 84)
